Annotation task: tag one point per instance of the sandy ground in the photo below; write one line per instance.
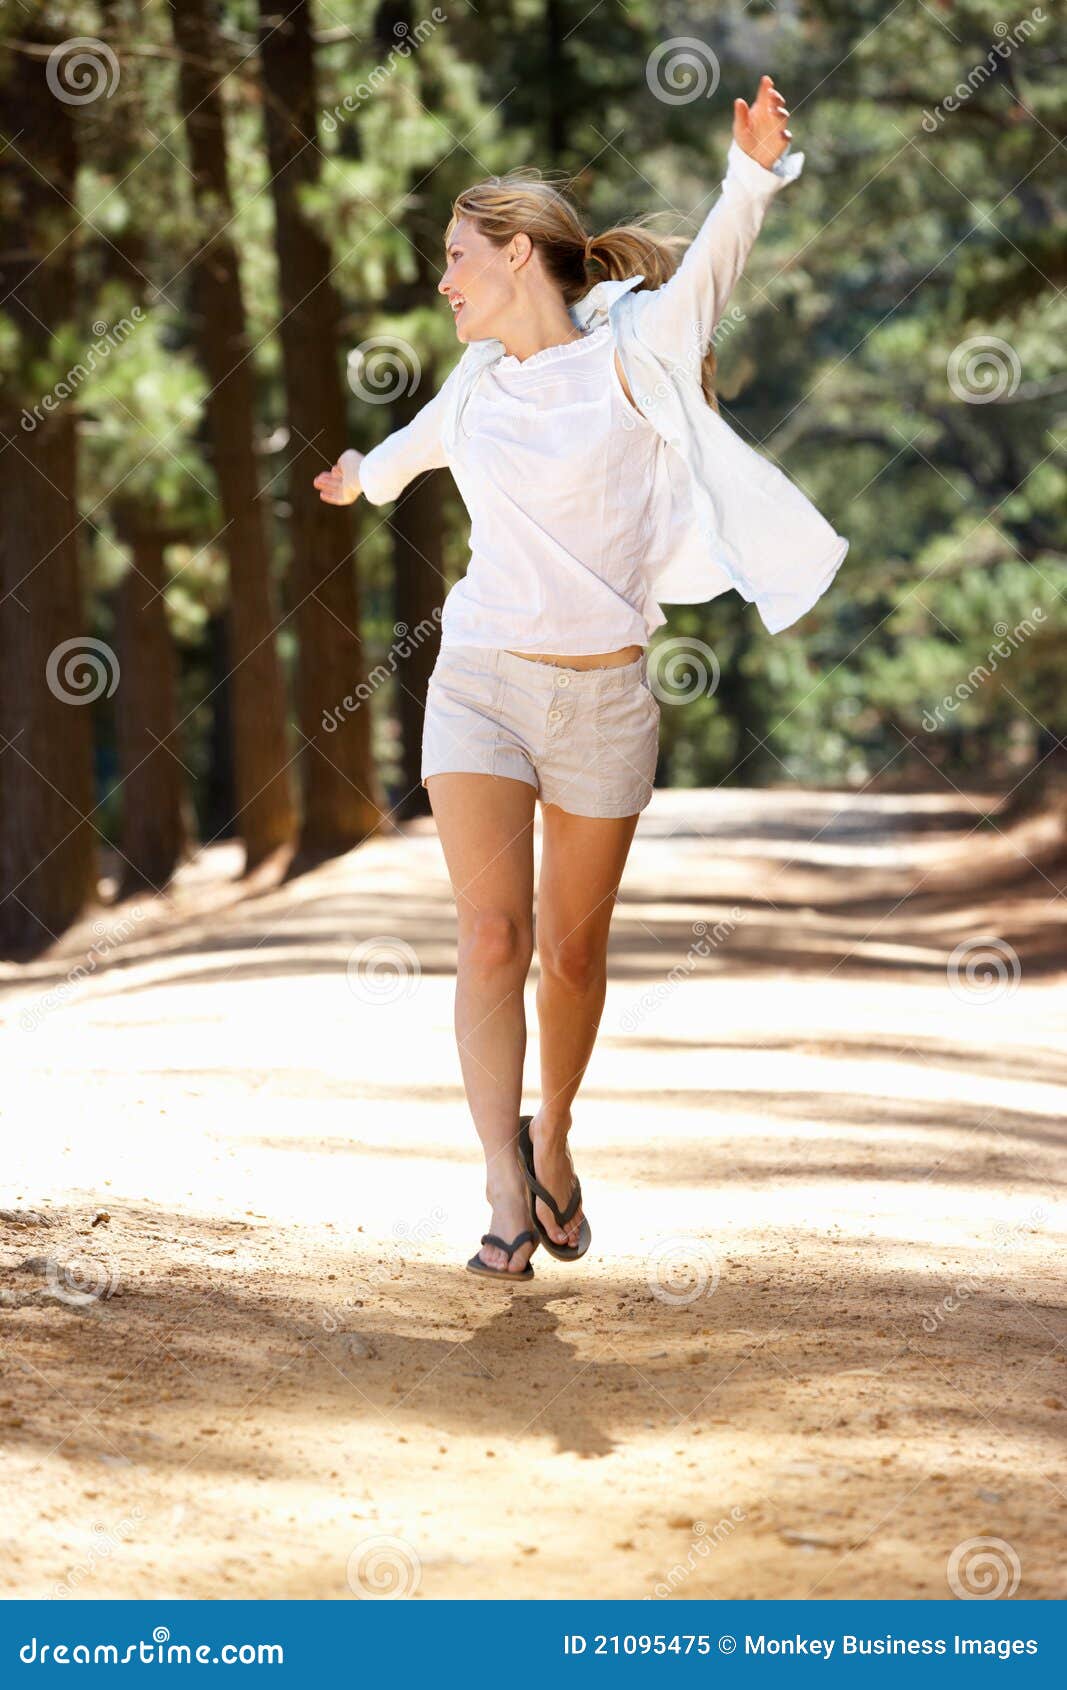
(817, 1348)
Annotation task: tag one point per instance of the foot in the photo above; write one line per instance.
(511, 1215)
(555, 1171)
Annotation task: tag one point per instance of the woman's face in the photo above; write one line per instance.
(478, 282)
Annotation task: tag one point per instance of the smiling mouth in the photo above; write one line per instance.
(457, 306)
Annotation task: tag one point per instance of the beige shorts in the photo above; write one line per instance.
(585, 739)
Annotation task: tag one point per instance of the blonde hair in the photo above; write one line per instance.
(525, 202)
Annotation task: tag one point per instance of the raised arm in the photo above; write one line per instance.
(679, 319)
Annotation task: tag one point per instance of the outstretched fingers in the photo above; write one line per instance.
(761, 129)
(330, 486)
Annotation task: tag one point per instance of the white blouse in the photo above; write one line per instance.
(567, 490)
(587, 514)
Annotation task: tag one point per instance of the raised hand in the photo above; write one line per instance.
(760, 129)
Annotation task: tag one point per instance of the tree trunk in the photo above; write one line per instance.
(47, 840)
(340, 782)
(154, 829)
(416, 525)
(416, 521)
(266, 815)
(155, 824)
(219, 790)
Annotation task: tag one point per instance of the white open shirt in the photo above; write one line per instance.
(567, 524)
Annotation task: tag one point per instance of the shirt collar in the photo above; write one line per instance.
(593, 305)
(597, 301)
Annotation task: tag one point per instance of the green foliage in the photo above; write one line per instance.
(929, 217)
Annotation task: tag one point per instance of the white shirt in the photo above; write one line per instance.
(567, 491)
(567, 495)
(733, 517)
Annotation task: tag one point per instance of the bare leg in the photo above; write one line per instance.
(485, 824)
(582, 860)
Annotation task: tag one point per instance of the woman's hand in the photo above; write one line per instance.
(340, 485)
(759, 129)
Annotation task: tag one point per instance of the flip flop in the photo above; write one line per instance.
(476, 1265)
(562, 1252)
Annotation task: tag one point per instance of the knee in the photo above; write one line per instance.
(574, 962)
(496, 943)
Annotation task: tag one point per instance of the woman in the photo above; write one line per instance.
(581, 511)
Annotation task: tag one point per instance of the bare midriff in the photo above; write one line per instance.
(597, 660)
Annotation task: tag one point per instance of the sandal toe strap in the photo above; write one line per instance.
(501, 1244)
(573, 1205)
(562, 1215)
(526, 1151)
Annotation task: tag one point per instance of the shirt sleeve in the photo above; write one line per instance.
(388, 467)
(678, 319)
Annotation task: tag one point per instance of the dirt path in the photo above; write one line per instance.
(817, 1348)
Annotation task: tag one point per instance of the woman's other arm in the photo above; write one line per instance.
(680, 317)
(382, 473)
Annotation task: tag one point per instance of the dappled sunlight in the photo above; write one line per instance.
(821, 1318)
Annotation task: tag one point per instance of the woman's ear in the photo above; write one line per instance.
(520, 249)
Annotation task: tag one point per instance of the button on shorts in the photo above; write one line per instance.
(585, 739)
